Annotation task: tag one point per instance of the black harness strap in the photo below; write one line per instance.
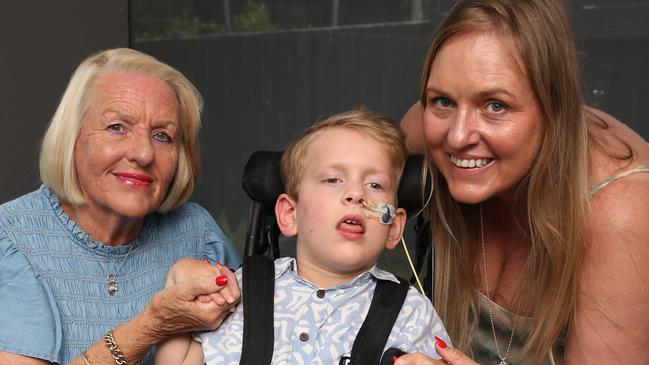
(386, 304)
(258, 307)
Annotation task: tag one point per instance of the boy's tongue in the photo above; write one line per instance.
(349, 227)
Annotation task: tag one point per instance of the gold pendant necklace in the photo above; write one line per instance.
(486, 287)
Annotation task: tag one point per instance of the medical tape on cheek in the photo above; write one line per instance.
(382, 211)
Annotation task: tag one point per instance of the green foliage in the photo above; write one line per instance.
(182, 26)
(254, 19)
(192, 27)
(171, 19)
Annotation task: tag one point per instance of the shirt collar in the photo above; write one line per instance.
(285, 265)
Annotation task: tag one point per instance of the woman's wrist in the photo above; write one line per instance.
(151, 322)
(133, 339)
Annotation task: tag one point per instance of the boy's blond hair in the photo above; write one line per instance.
(378, 127)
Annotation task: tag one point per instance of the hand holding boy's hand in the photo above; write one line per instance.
(177, 309)
(189, 268)
(449, 356)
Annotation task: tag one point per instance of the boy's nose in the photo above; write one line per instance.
(353, 196)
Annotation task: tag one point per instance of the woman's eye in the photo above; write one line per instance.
(374, 185)
(116, 127)
(495, 107)
(162, 137)
(441, 102)
(332, 180)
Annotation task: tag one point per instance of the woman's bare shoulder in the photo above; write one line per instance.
(619, 212)
(610, 322)
(614, 147)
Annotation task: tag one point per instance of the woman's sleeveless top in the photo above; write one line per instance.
(483, 349)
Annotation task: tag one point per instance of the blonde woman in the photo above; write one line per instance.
(82, 257)
(541, 205)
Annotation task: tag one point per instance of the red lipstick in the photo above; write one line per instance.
(134, 179)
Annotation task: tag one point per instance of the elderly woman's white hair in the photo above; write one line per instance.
(57, 167)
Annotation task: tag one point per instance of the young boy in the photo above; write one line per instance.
(341, 181)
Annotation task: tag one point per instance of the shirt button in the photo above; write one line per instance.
(304, 336)
(320, 293)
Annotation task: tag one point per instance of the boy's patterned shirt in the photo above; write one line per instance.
(318, 326)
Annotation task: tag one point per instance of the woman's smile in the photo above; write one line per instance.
(134, 179)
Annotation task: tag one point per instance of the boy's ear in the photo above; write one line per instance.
(286, 215)
(396, 229)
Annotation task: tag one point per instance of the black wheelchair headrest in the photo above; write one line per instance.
(262, 177)
(262, 180)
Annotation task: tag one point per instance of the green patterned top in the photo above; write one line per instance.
(483, 349)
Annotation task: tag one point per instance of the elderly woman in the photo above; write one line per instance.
(81, 258)
(540, 207)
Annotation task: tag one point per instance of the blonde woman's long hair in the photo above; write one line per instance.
(554, 193)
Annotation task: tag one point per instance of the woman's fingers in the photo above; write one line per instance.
(205, 298)
(232, 294)
(450, 355)
(416, 359)
(188, 268)
(189, 290)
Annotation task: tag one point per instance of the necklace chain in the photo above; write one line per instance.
(111, 284)
(486, 284)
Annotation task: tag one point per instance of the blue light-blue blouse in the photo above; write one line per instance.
(53, 297)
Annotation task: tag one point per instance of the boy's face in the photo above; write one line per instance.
(335, 239)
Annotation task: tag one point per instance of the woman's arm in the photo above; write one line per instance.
(172, 311)
(11, 358)
(611, 324)
(411, 125)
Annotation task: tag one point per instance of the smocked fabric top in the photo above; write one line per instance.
(54, 301)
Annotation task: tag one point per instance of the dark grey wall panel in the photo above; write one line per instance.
(42, 42)
(261, 90)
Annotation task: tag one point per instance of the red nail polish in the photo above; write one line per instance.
(394, 358)
(221, 280)
(440, 342)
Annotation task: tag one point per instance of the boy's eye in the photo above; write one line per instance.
(332, 180)
(374, 185)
